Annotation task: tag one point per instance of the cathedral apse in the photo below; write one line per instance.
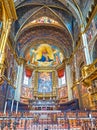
(44, 55)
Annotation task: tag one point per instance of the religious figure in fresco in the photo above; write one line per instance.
(46, 20)
(44, 55)
(45, 82)
(31, 56)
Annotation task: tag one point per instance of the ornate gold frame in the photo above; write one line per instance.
(54, 91)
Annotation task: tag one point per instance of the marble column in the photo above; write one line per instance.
(77, 83)
(69, 81)
(86, 49)
(19, 82)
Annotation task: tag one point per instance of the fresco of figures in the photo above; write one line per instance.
(44, 55)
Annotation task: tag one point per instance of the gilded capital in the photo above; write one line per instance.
(21, 61)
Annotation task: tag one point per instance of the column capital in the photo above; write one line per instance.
(21, 60)
(82, 27)
(67, 61)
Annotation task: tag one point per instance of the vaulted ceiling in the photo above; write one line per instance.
(67, 13)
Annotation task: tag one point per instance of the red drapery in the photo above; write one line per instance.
(28, 72)
(60, 73)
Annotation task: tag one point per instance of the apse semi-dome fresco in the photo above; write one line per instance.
(44, 55)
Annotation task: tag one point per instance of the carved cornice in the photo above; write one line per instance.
(21, 60)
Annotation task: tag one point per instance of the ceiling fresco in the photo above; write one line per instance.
(30, 10)
(45, 32)
(85, 6)
(43, 20)
(50, 20)
(44, 55)
(27, 29)
(43, 12)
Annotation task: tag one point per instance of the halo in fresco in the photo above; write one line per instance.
(44, 55)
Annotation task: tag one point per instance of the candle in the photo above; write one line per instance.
(12, 105)
(5, 107)
(17, 107)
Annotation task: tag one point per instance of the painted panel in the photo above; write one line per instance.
(44, 82)
(63, 92)
(26, 92)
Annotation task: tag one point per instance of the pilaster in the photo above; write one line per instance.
(69, 81)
